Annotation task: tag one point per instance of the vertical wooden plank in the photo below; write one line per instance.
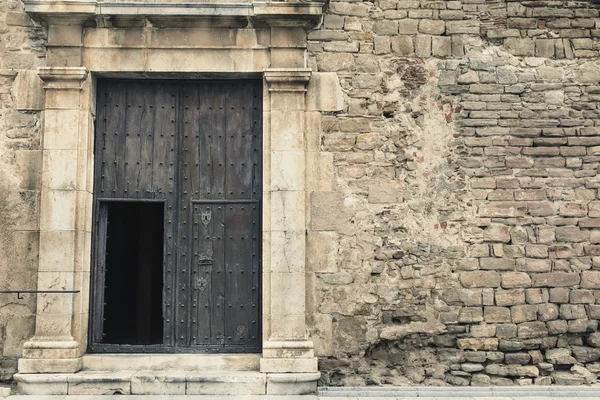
(114, 154)
(164, 162)
(217, 317)
(216, 129)
(238, 179)
(133, 141)
(99, 274)
(189, 163)
(120, 147)
(202, 276)
(238, 278)
(256, 144)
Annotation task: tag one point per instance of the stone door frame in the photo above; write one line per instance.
(67, 180)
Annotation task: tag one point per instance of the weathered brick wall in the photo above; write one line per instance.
(21, 50)
(461, 242)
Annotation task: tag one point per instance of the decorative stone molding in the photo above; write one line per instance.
(281, 14)
(287, 79)
(68, 78)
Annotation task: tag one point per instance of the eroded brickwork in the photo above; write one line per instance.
(21, 50)
(464, 221)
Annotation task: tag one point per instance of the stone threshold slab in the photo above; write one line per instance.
(165, 362)
(537, 392)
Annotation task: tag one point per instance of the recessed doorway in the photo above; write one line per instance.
(177, 206)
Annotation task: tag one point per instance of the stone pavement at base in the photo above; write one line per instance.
(387, 393)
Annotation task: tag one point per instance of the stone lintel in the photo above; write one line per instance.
(63, 78)
(287, 79)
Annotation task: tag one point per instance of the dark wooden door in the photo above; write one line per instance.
(196, 147)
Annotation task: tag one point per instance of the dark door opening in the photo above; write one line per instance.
(133, 276)
(177, 235)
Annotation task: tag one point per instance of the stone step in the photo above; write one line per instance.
(146, 382)
(162, 362)
(167, 382)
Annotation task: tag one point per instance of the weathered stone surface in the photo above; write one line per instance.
(556, 279)
(559, 356)
(480, 279)
(590, 279)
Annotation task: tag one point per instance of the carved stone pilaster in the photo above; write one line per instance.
(57, 345)
(288, 348)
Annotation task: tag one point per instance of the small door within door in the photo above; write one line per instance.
(177, 209)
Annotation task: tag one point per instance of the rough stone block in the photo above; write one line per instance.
(432, 27)
(403, 45)
(493, 314)
(515, 280)
(423, 46)
(536, 295)
(510, 297)
(533, 265)
(478, 344)
(590, 279)
(408, 27)
(385, 27)
(482, 279)
(497, 233)
(572, 311)
(547, 312)
(467, 27)
(571, 234)
(556, 327)
(441, 46)
(327, 211)
(470, 315)
(520, 47)
(321, 251)
(528, 330)
(28, 91)
(385, 191)
(556, 279)
(499, 264)
(324, 92)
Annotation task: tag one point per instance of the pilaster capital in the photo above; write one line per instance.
(287, 79)
(65, 78)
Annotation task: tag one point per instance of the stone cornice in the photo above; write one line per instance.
(294, 13)
(63, 77)
(287, 79)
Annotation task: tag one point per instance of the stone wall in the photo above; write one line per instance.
(460, 243)
(21, 51)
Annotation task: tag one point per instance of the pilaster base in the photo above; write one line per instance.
(289, 365)
(288, 357)
(50, 356)
(292, 384)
